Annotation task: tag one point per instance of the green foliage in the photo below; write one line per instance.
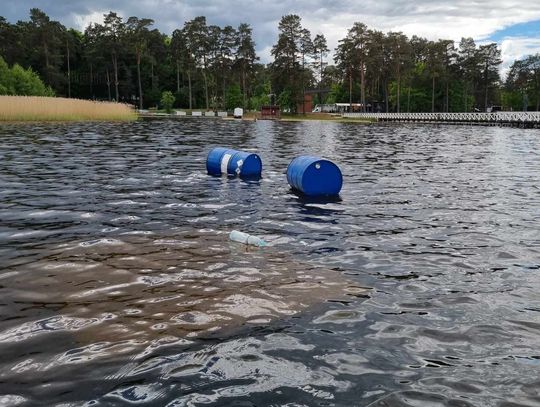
(285, 101)
(513, 99)
(524, 83)
(335, 94)
(167, 101)
(261, 94)
(255, 102)
(152, 97)
(20, 81)
(233, 97)
(459, 99)
(181, 98)
(418, 101)
(412, 99)
(28, 83)
(6, 87)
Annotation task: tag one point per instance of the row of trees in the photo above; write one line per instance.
(133, 62)
(388, 71)
(207, 66)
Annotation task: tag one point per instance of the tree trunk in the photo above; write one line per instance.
(46, 51)
(303, 85)
(189, 87)
(224, 86)
(320, 79)
(465, 97)
(447, 98)
(206, 89)
(350, 91)
(115, 67)
(108, 84)
(378, 91)
(47, 63)
(139, 79)
(398, 93)
(68, 70)
(538, 90)
(91, 81)
(244, 85)
(486, 95)
(363, 87)
(152, 78)
(386, 95)
(433, 94)
(177, 76)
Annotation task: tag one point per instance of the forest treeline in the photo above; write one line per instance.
(212, 67)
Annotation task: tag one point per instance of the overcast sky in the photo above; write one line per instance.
(514, 24)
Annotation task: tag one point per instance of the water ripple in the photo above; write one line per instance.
(418, 286)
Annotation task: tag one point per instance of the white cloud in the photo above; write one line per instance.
(265, 54)
(81, 21)
(513, 48)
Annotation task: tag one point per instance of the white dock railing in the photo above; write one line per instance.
(497, 117)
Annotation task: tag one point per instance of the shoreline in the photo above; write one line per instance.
(250, 117)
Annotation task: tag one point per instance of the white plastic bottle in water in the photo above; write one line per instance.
(244, 238)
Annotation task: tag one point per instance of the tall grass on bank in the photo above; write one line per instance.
(36, 108)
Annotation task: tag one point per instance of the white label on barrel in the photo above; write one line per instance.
(225, 163)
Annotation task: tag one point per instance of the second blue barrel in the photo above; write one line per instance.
(222, 160)
(314, 176)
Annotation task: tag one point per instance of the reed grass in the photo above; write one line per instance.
(37, 108)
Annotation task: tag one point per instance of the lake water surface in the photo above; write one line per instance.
(418, 287)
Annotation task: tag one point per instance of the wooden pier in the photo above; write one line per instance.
(511, 119)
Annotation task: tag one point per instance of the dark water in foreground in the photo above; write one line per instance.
(118, 283)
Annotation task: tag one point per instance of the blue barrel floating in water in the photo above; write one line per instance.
(233, 162)
(314, 176)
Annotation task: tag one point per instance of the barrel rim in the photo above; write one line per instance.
(339, 173)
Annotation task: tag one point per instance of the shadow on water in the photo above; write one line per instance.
(321, 209)
(319, 200)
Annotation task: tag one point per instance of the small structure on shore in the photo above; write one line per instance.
(238, 113)
(270, 112)
(307, 106)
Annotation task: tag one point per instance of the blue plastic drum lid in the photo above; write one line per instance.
(314, 176)
(233, 162)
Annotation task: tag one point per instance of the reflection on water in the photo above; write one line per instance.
(418, 286)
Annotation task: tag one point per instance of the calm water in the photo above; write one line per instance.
(118, 284)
